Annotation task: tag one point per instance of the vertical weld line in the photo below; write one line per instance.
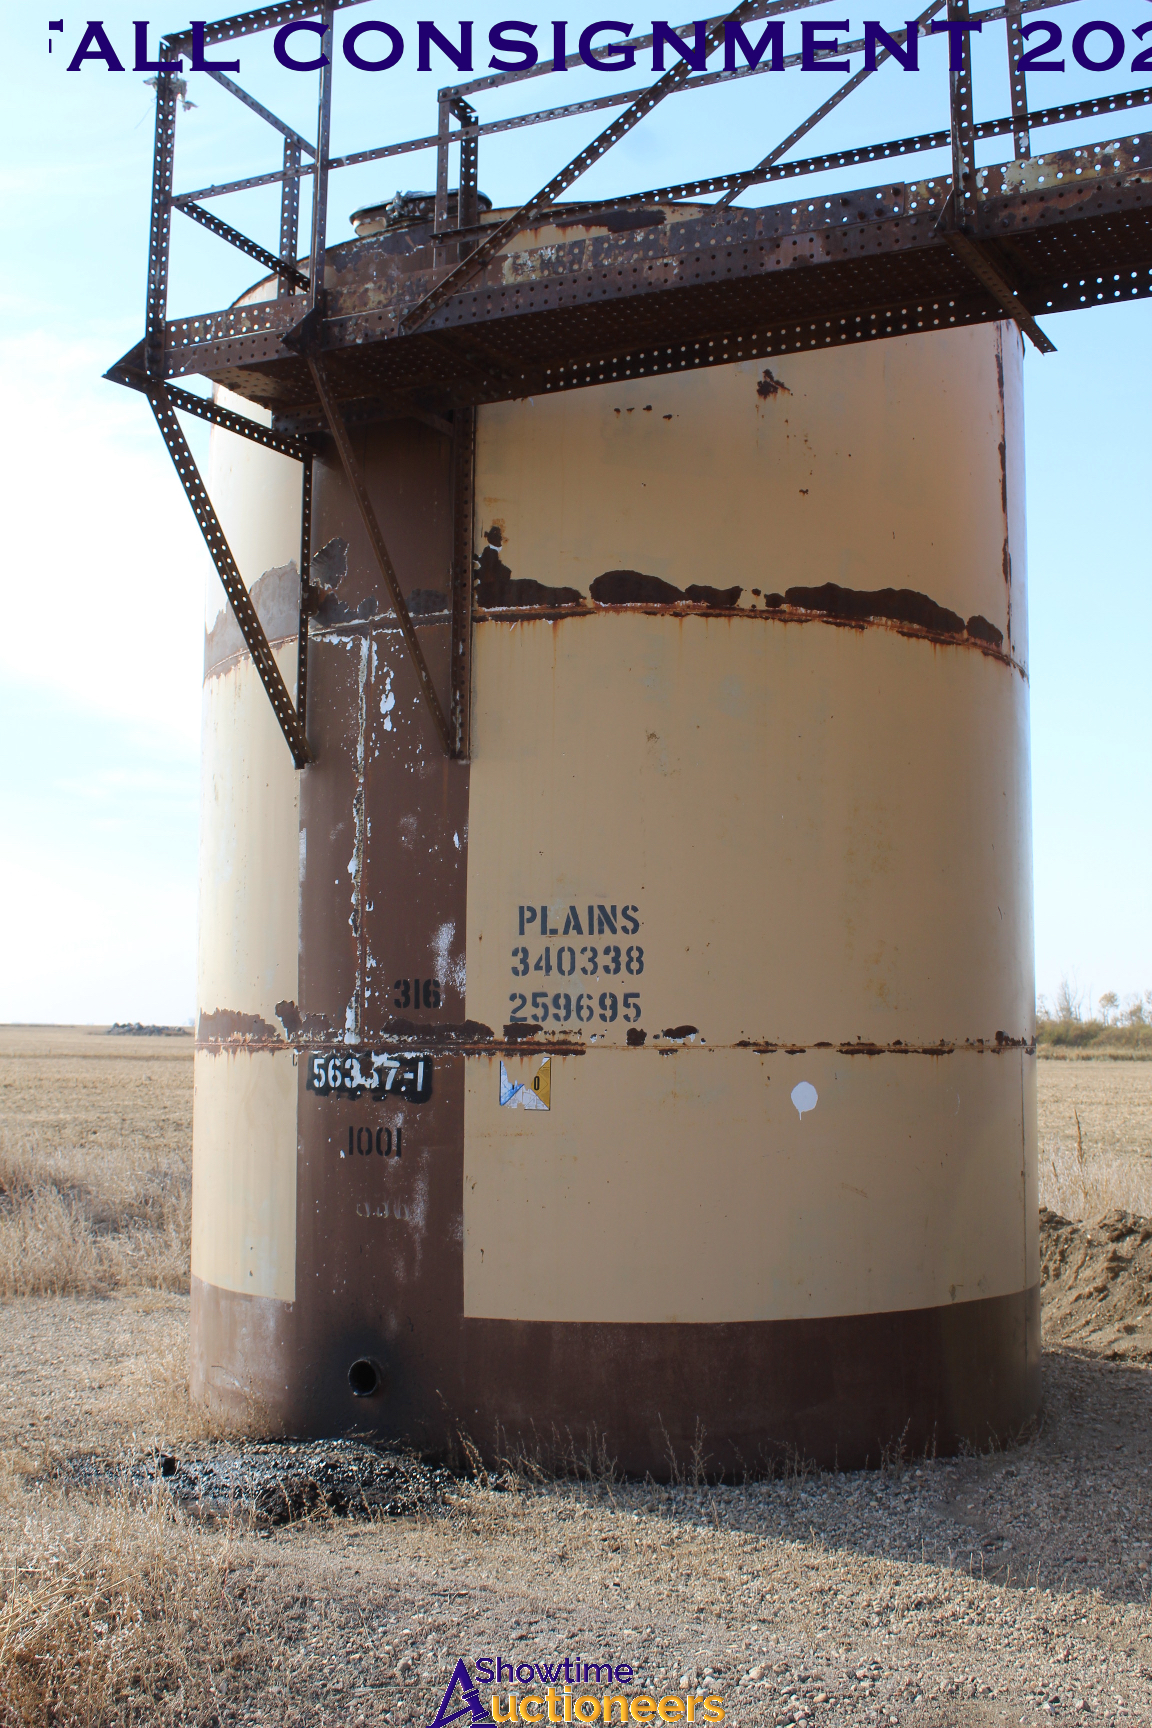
(1004, 475)
(362, 838)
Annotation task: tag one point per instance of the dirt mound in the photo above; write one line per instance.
(133, 1029)
(280, 1482)
(1096, 1284)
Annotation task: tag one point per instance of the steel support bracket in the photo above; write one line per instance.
(306, 337)
(133, 377)
(292, 723)
(975, 255)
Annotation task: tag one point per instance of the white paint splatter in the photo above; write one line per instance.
(449, 971)
(388, 699)
(805, 1097)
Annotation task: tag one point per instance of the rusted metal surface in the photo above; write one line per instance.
(160, 222)
(962, 118)
(493, 243)
(320, 181)
(306, 598)
(863, 303)
(128, 371)
(290, 218)
(697, 881)
(1017, 83)
(835, 1392)
(383, 558)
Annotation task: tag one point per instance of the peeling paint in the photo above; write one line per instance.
(633, 588)
(229, 1026)
(276, 597)
(496, 587)
(303, 1027)
(769, 386)
(387, 700)
(895, 605)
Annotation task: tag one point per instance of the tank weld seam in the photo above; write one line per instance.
(775, 614)
(241, 1043)
(867, 1047)
(228, 661)
(359, 627)
(437, 1044)
(554, 614)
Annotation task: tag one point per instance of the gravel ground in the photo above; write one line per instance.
(997, 1589)
(1011, 1587)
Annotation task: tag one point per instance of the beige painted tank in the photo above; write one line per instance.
(667, 1069)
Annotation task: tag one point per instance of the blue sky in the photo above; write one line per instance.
(104, 579)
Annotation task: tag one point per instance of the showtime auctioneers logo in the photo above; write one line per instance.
(564, 1695)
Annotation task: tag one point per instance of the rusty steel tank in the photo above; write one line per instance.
(661, 1077)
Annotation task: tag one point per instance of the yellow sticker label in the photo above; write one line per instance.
(534, 1094)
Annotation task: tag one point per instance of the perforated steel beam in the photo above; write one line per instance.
(129, 373)
(743, 181)
(282, 266)
(238, 596)
(977, 258)
(463, 471)
(502, 232)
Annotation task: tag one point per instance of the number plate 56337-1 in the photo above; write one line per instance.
(373, 1072)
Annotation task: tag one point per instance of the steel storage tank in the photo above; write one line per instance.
(663, 1074)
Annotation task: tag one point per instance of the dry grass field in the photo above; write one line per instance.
(1011, 1587)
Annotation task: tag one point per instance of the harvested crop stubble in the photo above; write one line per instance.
(108, 1607)
(95, 1162)
(1095, 1136)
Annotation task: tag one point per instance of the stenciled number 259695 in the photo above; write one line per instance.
(562, 1007)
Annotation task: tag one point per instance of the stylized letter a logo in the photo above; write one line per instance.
(471, 1706)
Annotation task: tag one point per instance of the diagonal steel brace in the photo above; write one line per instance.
(291, 723)
(351, 468)
(495, 238)
(756, 174)
(283, 267)
(970, 252)
(127, 371)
